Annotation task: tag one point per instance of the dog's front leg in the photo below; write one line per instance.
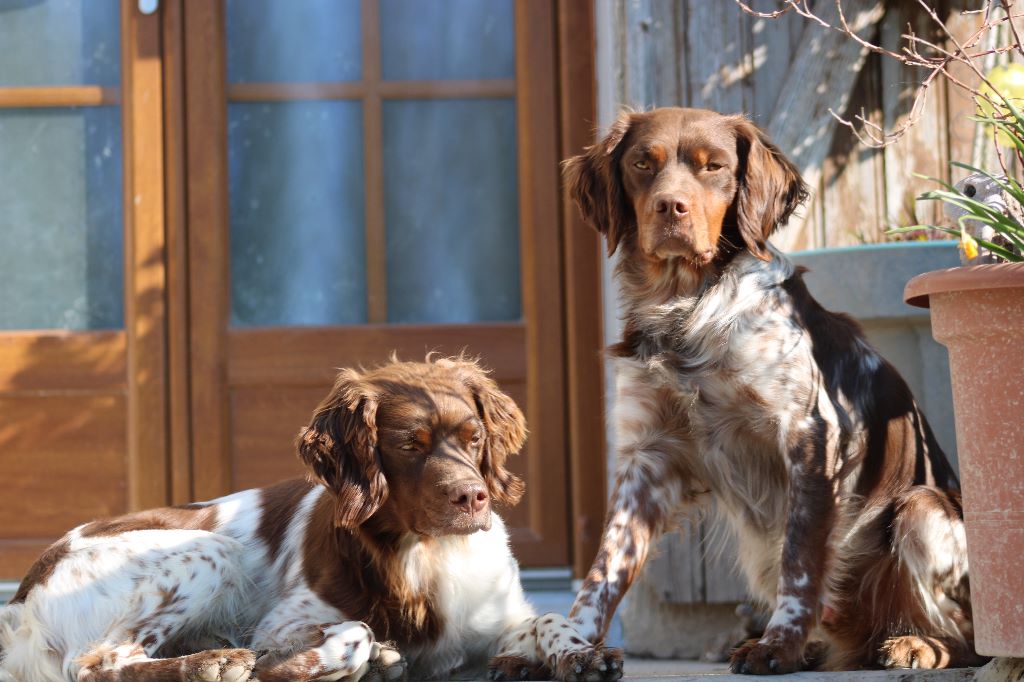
(624, 547)
(809, 520)
(653, 479)
(549, 647)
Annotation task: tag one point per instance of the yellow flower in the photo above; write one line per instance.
(968, 245)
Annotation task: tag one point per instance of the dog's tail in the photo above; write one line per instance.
(10, 619)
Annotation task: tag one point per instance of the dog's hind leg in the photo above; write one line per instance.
(129, 663)
(903, 600)
(115, 601)
(929, 541)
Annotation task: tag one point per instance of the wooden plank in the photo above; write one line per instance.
(718, 63)
(264, 423)
(63, 459)
(960, 107)
(283, 92)
(145, 314)
(717, 66)
(373, 168)
(208, 238)
(46, 361)
(821, 77)
(773, 45)
(177, 254)
(62, 96)
(854, 197)
(923, 149)
(653, 73)
(541, 265)
(583, 292)
(676, 570)
(296, 356)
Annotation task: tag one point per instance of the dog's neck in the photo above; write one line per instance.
(370, 573)
(665, 301)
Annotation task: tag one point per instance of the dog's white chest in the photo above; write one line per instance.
(476, 587)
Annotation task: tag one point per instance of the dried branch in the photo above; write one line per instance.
(932, 57)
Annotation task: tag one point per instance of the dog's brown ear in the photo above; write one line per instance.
(340, 449)
(505, 429)
(595, 185)
(770, 187)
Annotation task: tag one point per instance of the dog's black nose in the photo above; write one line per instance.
(670, 205)
(468, 496)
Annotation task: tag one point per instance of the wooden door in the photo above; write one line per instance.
(82, 373)
(363, 178)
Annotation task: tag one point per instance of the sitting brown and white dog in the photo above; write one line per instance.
(735, 386)
(392, 540)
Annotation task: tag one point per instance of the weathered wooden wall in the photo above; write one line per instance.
(708, 53)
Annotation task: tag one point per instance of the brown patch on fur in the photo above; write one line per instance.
(184, 517)
(357, 571)
(876, 598)
(340, 448)
(901, 449)
(41, 570)
(770, 187)
(277, 509)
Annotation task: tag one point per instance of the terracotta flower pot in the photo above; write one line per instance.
(978, 314)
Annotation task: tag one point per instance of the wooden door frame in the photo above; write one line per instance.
(114, 378)
(583, 258)
(144, 257)
(564, 368)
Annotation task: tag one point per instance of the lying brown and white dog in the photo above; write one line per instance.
(734, 385)
(393, 540)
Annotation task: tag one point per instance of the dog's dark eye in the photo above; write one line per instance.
(712, 167)
(475, 440)
(642, 165)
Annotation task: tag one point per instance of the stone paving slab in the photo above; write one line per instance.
(648, 670)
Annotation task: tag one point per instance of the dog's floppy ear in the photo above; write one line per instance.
(770, 187)
(505, 429)
(595, 185)
(340, 449)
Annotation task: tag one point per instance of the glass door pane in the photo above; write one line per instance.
(450, 40)
(298, 247)
(373, 162)
(62, 226)
(297, 240)
(452, 205)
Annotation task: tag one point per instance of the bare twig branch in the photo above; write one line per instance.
(932, 57)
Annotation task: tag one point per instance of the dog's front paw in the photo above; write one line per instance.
(219, 665)
(593, 664)
(504, 667)
(386, 664)
(757, 657)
